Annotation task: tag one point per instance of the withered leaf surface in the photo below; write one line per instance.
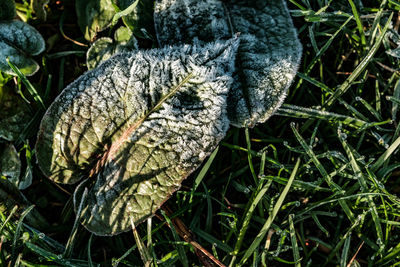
(268, 56)
(135, 127)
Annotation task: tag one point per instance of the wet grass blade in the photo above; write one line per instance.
(360, 68)
(334, 187)
(256, 242)
(29, 86)
(295, 247)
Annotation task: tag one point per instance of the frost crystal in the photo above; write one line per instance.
(268, 55)
(136, 126)
(17, 36)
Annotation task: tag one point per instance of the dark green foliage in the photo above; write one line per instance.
(7, 10)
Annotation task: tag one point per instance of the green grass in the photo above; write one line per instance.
(316, 185)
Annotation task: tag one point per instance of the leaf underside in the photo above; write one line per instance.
(135, 127)
(268, 56)
(19, 41)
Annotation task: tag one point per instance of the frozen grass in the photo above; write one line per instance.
(316, 185)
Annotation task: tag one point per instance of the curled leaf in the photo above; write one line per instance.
(135, 127)
(268, 56)
(7, 10)
(18, 42)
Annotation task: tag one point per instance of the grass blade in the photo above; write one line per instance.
(295, 247)
(385, 156)
(335, 188)
(202, 173)
(179, 246)
(256, 242)
(360, 68)
(29, 86)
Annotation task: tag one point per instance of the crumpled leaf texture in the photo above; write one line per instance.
(268, 55)
(152, 116)
(19, 41)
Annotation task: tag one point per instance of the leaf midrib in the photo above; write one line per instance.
(110, 151)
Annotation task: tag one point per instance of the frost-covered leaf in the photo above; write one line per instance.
(10, 164)
(140, 20)
(7, 10)
(39, 7)
(135, 127)
(268, 55)
(94, 16)
(14, 114)
(105, 47)
(19, 41)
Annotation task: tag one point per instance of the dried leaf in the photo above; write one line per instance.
(268, 55)
(136, 126)
(18, 42)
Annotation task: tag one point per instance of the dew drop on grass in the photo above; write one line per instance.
(297, 203)
(342, 136)
(41, 235)
(25, 236)
(286, 143)
(358, 98)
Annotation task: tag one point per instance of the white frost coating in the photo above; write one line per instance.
(268, 56)
(99, 117)
(19, 41)
(22, 36)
